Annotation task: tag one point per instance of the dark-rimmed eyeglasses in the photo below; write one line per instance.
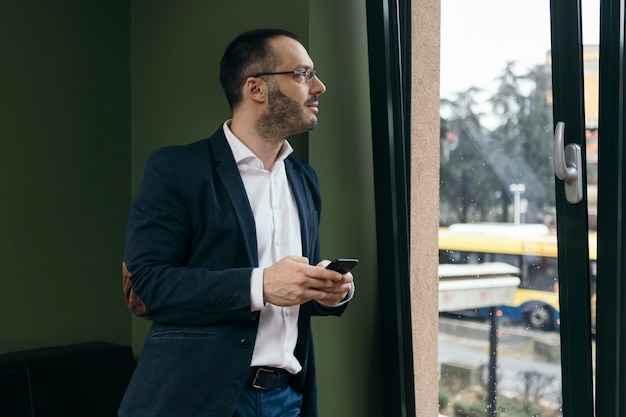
(308, 73)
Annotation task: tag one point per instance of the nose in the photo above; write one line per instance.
(317, 86)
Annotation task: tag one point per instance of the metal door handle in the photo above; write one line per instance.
(568, 165)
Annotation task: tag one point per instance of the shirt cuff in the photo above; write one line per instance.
(256, 290)
(347, 298)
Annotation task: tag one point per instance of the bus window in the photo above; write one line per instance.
(540, 273)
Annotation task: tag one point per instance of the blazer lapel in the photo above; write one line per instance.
(229, 174)
(297, 183)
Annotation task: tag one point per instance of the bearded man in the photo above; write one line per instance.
(222, 251)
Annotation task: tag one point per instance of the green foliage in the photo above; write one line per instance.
(521, 130)
(468, 184)
(522, 106)
(506, 407)
(444, 399)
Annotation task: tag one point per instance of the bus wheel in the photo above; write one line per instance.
(539, 318)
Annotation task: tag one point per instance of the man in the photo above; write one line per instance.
(222, 251)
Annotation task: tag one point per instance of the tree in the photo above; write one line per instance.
(478, 164)
(469, 188)
(525, 121)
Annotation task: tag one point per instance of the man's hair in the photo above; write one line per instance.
(249, 53)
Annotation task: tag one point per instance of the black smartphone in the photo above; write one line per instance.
(342, 265)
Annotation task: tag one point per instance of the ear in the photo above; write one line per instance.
(256, 89)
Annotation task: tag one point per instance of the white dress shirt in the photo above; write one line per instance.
(278, 235)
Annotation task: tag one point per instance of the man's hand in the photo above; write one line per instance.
(292, 281)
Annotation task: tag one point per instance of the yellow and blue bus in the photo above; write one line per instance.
(530, 247)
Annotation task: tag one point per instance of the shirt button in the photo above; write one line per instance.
(245, 343)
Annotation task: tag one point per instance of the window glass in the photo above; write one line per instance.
(497, 206)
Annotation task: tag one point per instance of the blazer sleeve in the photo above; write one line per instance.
(159, 280)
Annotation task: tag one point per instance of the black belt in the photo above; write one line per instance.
(266, 378)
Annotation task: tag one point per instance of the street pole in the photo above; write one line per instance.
(493, 353)
(517, 190)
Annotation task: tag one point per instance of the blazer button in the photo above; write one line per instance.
(245, 343)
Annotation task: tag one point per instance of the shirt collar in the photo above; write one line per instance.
(243, 154)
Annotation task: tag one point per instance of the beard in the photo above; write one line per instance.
(285, 117)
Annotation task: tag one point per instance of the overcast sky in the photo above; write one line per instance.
(478, 37)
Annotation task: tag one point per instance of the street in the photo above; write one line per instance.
(528, 362)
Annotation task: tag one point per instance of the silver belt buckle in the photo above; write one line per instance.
(256, 376)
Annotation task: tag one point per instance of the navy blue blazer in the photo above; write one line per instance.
(190, 250)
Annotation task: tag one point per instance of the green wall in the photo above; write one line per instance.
(64, 171)
(90, 89)
(340, 149)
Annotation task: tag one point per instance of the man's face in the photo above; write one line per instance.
(292, 99)
(286, 117)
